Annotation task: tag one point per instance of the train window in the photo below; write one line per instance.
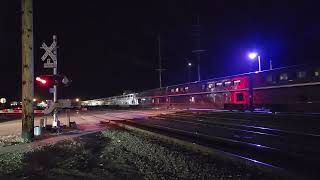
(192, 99)
(236, 82)
(301, 74)
(177, 89)
(317, 74)
(181, 89)
(186, 89)
(227, 83)
(218, 84)
(172, 90)
(283, 77)
(203, 87)
(240, 97)
(210, 86)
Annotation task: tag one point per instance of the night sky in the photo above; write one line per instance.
(110, 46)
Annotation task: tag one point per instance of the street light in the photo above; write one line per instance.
(77, 99)
(189, 66)
(253, 56)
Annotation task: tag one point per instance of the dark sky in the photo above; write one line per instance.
(110, 46)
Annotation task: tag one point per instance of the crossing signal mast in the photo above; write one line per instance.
(50, 59)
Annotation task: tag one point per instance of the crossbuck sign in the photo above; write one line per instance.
(49, 53)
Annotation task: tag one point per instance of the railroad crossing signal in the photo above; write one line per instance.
(51, 80)
(49, 53)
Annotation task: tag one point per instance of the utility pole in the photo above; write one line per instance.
(27, 70)
(160, 62)
(198, 51)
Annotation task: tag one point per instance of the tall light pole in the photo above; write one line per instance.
(27, 70)
(253, 56)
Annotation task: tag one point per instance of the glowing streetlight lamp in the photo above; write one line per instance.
(77, 99)
(189, 66)
(34, 100)
(253, 56)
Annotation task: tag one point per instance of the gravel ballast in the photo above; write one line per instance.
(120, 154)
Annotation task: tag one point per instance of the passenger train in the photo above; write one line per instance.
(122, 100)
(290, 89)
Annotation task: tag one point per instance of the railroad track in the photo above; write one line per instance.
(310, 126)
(252, 117)
(273, 148)
(294, 151)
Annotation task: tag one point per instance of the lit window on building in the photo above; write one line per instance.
(236, 82)
(302, 75)
(283, 77)
(317, 73)
(177, 89)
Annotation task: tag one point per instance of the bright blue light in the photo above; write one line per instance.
(252, 55)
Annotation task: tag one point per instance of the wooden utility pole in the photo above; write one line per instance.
(27, 70)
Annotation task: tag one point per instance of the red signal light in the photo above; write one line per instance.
(42, 81)
(51, 80)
